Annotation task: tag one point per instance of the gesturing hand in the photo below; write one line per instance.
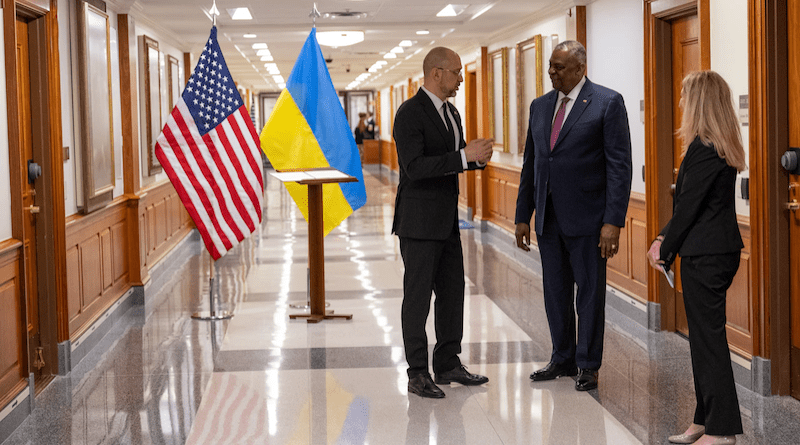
(479, 150)
(654, 254)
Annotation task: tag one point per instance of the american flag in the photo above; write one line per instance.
(211, 153)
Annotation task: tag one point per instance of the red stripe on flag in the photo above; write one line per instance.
(201, 164)
(187, 170)
(244, 214)
(257, 141)
(254, 165)
(187, 202)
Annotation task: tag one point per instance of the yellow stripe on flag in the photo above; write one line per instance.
(289, 144)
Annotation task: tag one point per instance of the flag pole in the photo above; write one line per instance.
(314, 14)
(214, 13)
(212, 314)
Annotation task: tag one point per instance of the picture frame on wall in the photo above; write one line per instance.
(529, 61)
(498, 98)
(96, 111)
(151, 109)
(173, 74)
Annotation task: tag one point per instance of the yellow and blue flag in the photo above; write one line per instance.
(308, 129)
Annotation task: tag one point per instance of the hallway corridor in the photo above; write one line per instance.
(160, 377)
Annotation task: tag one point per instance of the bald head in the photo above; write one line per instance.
(437, 57)
(442, 69)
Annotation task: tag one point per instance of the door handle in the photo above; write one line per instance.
(33, 209)
(672, 189)
(793, 205)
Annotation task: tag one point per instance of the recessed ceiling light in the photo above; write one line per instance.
(397, 50)
(406, 43)
(259, 46)
(484, 9)
(263, 52)
(451, 10)
(423, 32)
(266, 58)
(339, 38)
(240, 14)
(249, 36)
(390, 56)
(278, 78)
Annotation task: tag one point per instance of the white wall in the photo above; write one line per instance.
(5, 179)
(615, 51)
(729, 58)
(65, 30)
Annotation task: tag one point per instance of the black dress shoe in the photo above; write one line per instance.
(459, 374)
(587, 379)
(423, 386)
(554, 370)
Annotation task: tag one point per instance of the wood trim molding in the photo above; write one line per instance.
(576, 24)
(768, 68)
(129, 87)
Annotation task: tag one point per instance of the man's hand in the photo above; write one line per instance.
(479, 150)
(654, 254)
(609, 241)
(523, 234)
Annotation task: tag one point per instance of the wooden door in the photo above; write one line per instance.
(685, 59)
(793, 193)
(29, 202)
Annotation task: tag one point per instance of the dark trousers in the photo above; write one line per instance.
(433, 266)
(705, 280)
(567, 261)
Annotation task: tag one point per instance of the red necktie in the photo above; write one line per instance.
(558, 122)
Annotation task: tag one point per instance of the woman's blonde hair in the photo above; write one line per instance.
(708, 113)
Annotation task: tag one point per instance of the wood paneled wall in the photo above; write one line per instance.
(627, 270)
(97, 250)
(372, 151)
(12, 329)
(388, 154)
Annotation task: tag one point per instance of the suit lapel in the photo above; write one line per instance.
(457, 118)
(584, 99)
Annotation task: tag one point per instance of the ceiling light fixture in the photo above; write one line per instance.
(423, 32)
(451, 10)
(240, 14)
(397, 50)
(482, 10)
(259, 46)
(249, 36)
(266, 58)
(336, 39)
(263, 52)
(406, 43)
(390, 56)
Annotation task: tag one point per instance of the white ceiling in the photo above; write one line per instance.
(284, 26)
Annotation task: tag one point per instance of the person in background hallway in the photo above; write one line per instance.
(359, 131)
(704, 232)
(370, 133)
(576, 175)
(431, 152)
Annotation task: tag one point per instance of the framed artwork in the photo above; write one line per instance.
(498, 98)
(529, 82)
(94, 78)
(173, 74)
(151, 82)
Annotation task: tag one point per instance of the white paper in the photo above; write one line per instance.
(669, 274)
(326, 174)
(291, 176)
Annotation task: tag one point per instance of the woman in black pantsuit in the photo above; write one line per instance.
(704, 231)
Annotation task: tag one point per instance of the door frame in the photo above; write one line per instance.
(51, 223)
(769, 137)
(658, 126)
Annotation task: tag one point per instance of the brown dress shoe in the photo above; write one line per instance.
(587, 379)
(459, 374)
(554, 370)
(423, 386)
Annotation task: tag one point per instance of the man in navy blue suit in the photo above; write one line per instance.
(576, 175)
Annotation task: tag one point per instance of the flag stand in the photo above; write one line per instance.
(212, 314)
(308, 294)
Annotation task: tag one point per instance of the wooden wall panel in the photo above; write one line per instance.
(389, 154)
(108, 264)
(503, 186)
(372, 153)
(97, 273)
(627, 270)
(11, 338)
(163, 221)
(741, 306)
(73, 283)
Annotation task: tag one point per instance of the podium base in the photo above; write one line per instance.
(316, 318)
(212, 316)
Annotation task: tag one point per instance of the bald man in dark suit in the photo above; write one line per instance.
(431, 152)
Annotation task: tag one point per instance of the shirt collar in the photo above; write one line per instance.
(434, 98)
(573, 95)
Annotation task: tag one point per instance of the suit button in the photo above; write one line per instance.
(550, 159)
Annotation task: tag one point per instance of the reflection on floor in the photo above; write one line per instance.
(162, 378)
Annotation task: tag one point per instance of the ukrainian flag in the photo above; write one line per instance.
(308, 129)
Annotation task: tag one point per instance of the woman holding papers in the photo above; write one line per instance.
(704, 231)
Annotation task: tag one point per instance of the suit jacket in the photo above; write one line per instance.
(426, 206)
(588, 172)
(703, 210)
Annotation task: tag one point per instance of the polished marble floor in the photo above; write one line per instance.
(161, 377)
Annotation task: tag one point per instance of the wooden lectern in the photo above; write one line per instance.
(314, 179)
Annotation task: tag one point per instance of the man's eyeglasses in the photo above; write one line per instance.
(456, 72)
